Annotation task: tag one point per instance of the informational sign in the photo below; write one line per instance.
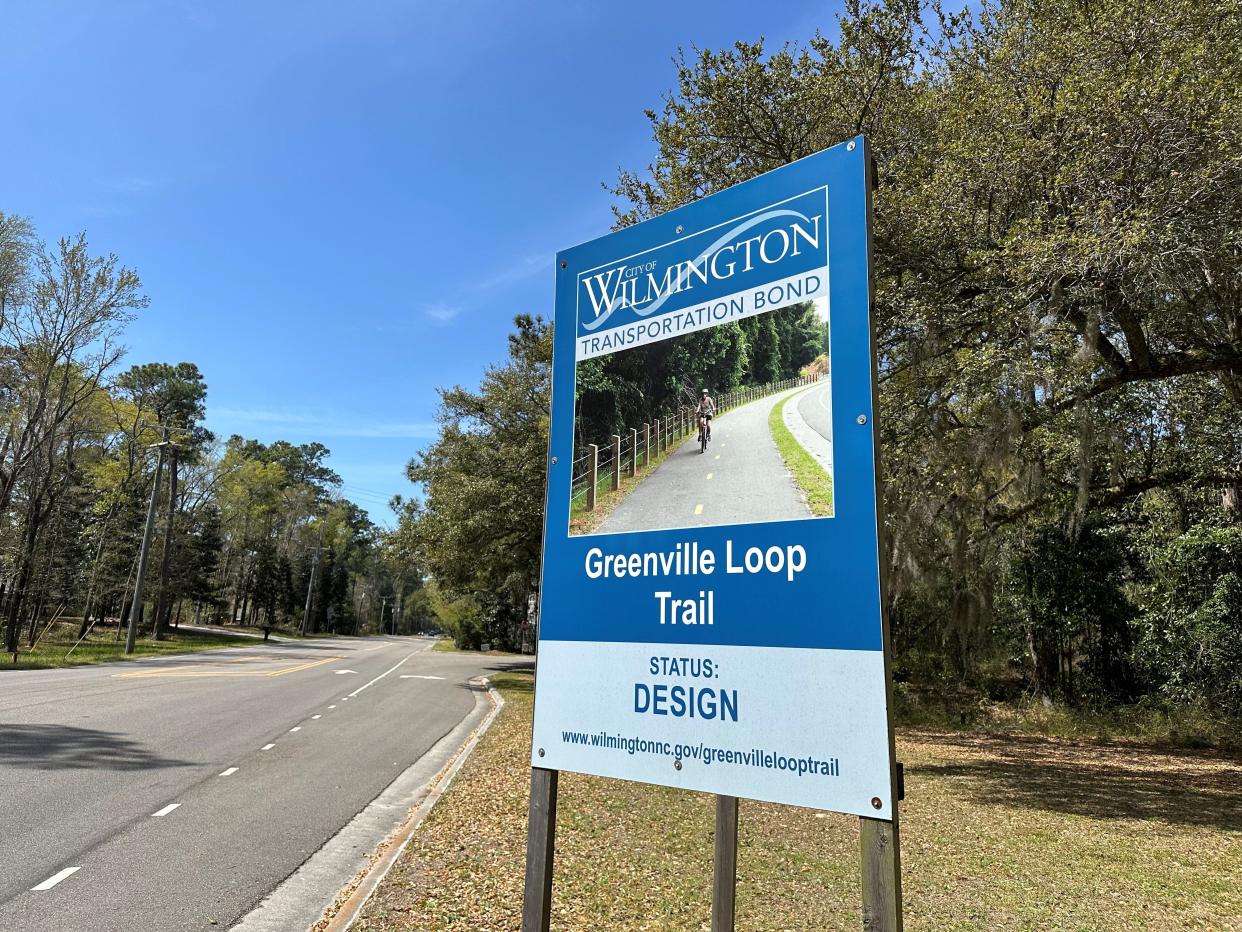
(711, 614)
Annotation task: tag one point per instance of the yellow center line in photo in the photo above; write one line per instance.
(698, 509)
(376, 647)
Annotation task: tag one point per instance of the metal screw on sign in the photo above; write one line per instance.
(849, 147)
(876, 802)
(554, 461)
(541, 752)
(680, 228)
(564, 264)
(677, 764)
(862, 419)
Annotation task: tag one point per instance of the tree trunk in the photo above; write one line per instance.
(29, 539)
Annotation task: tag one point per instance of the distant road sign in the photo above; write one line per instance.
(739, 657)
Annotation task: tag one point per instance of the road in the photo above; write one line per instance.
(741, 478)
(181, 790)
(814, 408)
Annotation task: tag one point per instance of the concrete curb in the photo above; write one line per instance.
(359, 890)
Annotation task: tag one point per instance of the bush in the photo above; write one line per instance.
(1191, 628)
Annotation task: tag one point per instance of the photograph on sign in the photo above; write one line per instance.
(711, 608)
(687, 352)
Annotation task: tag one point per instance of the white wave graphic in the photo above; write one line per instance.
(681, 276)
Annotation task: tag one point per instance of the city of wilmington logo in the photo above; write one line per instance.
(644, 288)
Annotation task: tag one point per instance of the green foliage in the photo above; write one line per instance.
(478, 530)
(1190, 643)
(626, 390)
(461, 618)
(1059, 312)
(1065, 608)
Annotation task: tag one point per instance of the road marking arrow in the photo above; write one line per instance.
(415, 676)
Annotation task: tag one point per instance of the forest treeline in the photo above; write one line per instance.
(241, 525)
(617, 392)
(1058, 241)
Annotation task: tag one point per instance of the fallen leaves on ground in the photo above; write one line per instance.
(998, 834)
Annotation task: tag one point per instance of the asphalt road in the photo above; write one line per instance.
(266, 752)
(813, 406)
(741, 478)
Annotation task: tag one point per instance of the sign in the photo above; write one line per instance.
(713, 621)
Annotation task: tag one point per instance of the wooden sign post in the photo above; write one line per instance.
(879, 843)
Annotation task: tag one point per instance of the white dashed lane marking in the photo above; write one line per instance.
(167, 809)
(381, 676)
(267, 747)
(229, 772)
(295, 728)
(56, 878)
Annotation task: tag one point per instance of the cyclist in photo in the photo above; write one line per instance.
(706, 410)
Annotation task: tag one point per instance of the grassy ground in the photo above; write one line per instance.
(446, 644)
(102, 647)
(808, 474)
(998, 834)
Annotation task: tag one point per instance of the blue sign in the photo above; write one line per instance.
(715, 623)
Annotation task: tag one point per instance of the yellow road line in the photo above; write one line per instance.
(198, 671)
(698, 509)
(305, 666)
(376, 647)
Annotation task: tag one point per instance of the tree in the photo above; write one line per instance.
(59, 340)
(479, 529)
(1058, 295)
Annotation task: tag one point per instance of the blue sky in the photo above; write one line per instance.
(337, 207)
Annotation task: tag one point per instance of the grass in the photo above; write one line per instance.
(103, 647)
(582, 521)
(808, 474)
(446, 644)
(999, 834)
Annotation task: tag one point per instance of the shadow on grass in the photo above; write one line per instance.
(511, 666)
(60, 747)
(511, 683)
(1100, 782)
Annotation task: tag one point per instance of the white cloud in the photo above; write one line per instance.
(477, 291)
(441, 311)
(246, 420)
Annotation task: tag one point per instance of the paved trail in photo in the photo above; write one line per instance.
(813, 406)
(741, 478)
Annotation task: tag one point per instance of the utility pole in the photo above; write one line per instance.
(310, 589)
(161, 602)
(135, 607)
